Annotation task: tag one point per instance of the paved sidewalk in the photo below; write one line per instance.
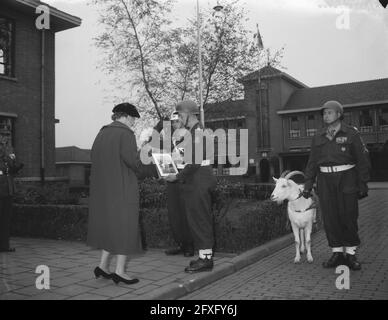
(161, 277)
(71, 270)
(277, 277)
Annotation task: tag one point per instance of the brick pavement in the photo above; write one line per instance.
(277, 277)
(71, 272)
(162, 277)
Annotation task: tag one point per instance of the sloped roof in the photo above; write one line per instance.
(60, 20)
(227, 109)
(363, 92)
(269, 71)
(72, 154)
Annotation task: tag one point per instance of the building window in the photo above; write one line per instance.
(294, 127)
(6, 47)
(348, 118)
(6, 129)
(383, 119)
(366, 121)
(311, 129)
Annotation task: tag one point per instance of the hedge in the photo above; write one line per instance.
(242, 218)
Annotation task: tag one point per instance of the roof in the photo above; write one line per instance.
(59, 19)
(269, 72)
(348, 94)
(72, 154)
(227, 109)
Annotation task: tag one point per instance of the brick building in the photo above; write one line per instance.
(27, 83)
(283, 117)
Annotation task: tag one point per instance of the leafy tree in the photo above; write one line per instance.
(157, 62)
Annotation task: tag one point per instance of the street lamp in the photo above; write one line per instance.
(217, 9)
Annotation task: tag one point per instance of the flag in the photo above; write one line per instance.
(258, 36)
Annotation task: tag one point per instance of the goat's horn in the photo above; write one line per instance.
(293, 173)
(284, 173)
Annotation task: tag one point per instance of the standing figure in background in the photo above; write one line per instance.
(196, 183)
(175, 205)
(340, 161)
(8, 168)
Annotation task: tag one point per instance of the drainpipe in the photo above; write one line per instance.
(42, 107)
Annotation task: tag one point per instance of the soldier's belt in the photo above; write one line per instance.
(337, 168)
(205, 163)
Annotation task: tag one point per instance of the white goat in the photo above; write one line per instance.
(301, 212)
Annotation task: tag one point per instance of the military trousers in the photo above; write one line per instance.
(338, 197)
(177, 216)
(5, 222)
(197, 199)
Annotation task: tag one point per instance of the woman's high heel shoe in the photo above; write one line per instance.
(98, 272)
(117, 279)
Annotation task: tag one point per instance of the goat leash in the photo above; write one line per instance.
(312, 206)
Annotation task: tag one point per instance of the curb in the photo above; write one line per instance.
(177, 290)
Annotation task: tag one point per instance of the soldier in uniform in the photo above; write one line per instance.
(196, 182)
(340, 161)
(8, 168)
(176, 210)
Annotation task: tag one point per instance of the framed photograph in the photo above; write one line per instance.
(164, 164)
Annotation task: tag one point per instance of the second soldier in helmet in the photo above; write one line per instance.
(196, 182)
(176, 209)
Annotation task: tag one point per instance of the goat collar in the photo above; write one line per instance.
(312, 206)
(299, 196)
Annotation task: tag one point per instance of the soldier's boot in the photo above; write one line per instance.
(335, 260)
(200, 265)
(352, 263)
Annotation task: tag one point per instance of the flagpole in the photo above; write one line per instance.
(201, 111)
(259, 92)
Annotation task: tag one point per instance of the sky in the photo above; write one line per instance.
(326, 42)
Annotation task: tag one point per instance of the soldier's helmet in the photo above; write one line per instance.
(334, 105)
(187, 106)
(174, 116)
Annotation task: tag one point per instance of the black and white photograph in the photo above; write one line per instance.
(164, 164)
(193, 154)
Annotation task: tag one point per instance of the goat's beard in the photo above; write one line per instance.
(279, 202)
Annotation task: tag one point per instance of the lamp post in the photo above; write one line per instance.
(217, 8)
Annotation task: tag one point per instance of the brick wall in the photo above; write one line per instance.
(22, 95)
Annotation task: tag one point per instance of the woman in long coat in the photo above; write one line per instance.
(114, 194)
